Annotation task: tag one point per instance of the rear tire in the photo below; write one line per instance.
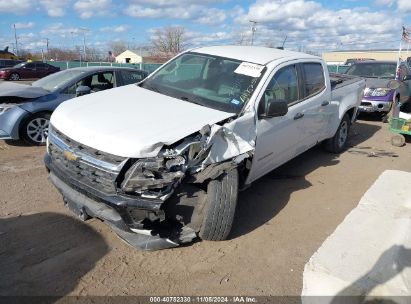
(34, 130)
(14, 77)
(337, 143)
(220, 207)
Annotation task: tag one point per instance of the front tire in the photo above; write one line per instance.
(220, 207)
(34, 130)
(14, 77)
(337, 143)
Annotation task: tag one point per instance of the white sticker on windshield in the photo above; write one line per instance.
(249, 69)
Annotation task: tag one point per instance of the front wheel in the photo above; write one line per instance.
(337, 143)
(14, 77)
(34, 130)
(220, 207)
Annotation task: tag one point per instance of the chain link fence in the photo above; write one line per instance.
(63, 65)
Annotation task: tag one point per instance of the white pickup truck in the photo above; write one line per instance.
(162, 161)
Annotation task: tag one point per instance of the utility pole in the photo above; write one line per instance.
(47, 47)
(84, 42)
(72, 40)
(15, 38)
(253, 30)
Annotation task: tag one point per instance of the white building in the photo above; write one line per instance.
(129, 57)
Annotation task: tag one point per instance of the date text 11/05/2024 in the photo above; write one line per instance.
(203, 299)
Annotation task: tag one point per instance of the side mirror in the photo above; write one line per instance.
(275, 108)
(407, 77)
(82, 90)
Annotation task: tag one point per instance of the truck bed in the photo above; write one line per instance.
(341, 80)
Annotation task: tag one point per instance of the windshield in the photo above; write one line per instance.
(211, 81)
(57, 80)
(19, 65)
(373, 70)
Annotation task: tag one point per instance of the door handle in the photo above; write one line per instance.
(298, 116)
(325, 103)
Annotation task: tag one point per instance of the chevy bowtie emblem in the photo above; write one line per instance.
(70, 156)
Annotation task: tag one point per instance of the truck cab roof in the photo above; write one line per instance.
(253, 54)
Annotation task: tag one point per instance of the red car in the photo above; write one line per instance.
(28, 70)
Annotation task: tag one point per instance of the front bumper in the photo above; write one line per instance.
(85, 201)
(10, 123)
(371, 106)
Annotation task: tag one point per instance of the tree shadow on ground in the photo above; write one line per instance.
(46, 254)
(270, 194)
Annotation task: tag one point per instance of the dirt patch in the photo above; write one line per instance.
(281, 221)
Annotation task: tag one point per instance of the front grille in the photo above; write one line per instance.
(86, 167)
(364, 103)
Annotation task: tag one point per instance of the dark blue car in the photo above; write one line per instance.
(25, 109)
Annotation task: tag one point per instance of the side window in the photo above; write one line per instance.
(283, 85)
(30, 66)
(40, 66)
(314, 81)
(71, 90)
(101, 81)
(404, 71)
(130, 77)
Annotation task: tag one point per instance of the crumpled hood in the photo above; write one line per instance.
(21, 90)
(131, 121)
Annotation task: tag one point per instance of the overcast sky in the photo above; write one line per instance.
(308, 25)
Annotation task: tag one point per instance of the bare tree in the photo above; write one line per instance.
(118, 47)
(241, 39)
(168, 41)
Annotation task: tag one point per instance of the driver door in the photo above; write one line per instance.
(279, 138)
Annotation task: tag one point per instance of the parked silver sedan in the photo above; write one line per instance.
(25, 109)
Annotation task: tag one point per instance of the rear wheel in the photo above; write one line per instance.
(220, 207)
(35, 129)
(337, 143)
(14, 77)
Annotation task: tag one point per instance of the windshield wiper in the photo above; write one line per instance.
(151, 88)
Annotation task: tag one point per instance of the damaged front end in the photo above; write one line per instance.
(151, 203)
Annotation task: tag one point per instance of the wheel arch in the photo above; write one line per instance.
(27, 117)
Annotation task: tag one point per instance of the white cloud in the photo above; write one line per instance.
(174, 12)
(309, 24)
(212, 16)
(115, 29)
(55, 8)
(21, 25)
(384, 2)
(404, 6)
(89, 8)
(58, 29)
(18, 7)
(183, 10)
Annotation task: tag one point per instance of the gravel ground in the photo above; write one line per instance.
(280, 222)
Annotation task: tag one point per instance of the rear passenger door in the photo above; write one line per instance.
(315, 98)
(41, 70)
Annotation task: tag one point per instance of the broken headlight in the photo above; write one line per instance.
(5, 107)
(377, 92)
(156, 175)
